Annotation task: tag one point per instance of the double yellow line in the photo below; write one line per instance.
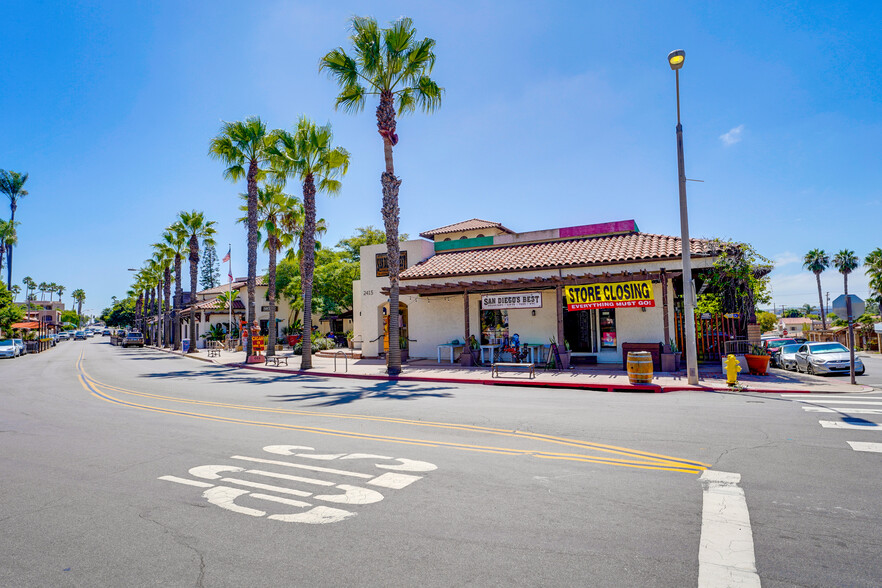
(625, 457)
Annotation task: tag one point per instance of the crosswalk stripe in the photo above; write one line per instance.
(844, 408)
(841, 425)
(856, 402)
(862, 446)
(831, 397)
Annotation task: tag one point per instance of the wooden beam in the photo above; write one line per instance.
(558, 305)
(664, 286)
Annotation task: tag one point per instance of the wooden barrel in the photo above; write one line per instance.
(640, 367)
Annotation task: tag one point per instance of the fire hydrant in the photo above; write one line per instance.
(733, 366)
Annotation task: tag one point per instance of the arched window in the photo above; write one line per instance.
(447, 238)
(463, 237)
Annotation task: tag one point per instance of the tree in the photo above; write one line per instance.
(740, 277)
(195, 227)
(16, 290)
(30, 285)
(846, 262)
(368, 235)
(392, 64)
(175, 238)
(209, 276)
(9, 311)
(8, 237)
(766, 320)
(79, 296)
(242, 147)
(816, 261)
(165, 253)
(69, 316)
(12, 184)
(309, 156)
(60, 289)
(873, 265)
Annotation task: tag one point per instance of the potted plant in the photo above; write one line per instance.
(670, 360)
(349, 334)
(758, 360)
(467, 357)
(402, 341)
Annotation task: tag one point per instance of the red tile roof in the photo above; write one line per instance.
(222, 288)
(553, 254)
(468, 225)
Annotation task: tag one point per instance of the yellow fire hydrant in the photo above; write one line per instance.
(733, 366)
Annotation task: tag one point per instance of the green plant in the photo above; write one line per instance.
(758, 350)
(674, 347)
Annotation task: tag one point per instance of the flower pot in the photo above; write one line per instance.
(758, 364)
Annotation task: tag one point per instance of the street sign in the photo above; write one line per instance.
(857, 306)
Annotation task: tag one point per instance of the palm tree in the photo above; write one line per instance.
(195, 227)
(393, 65)
(175, 237)
(8, 238)
(79, 296)
(16, 290)
(12, 184)
(60, 289)
(165, 253)
(846, 262)
(873, 263)
(242, 146)
(309, 156)
(816, 261)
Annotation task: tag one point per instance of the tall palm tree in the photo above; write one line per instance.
(79, 296)
(846, 262)
(165, 254)
(816, 261)
(308, 155)
(60, 289)
(392, 64)
(273, 206)
(195, 227)
(176, 238)
(42, 287)
(873, 263)
(242, 146)
(29, 284)
(16, 290)
(12, 184)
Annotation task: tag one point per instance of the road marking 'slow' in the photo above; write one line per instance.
(303, 466)
(841, 425)
(844, 408)
(186, 481)
(394, 481)
(725, 553)
(862, 446)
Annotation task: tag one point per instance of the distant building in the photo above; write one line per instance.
(47, 313)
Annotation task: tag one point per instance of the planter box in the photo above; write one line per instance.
(564, 359)
(670, 362)
(466, 359)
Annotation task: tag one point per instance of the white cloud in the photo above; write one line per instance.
(733, 136)
(786, 258)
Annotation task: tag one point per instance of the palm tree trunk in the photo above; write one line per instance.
(165, 318)
(194, 269)
(179, 301)
(821, 302)
(12, 207)
(307, 267)
(386, 125)
(252, 249)
(271, 286)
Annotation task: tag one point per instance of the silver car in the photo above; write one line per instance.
(826, 358)
(8, 348)
(787, 356)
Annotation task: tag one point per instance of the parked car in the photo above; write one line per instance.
(826, 358)
(787, 356)
(63, 335)
(22, 348)
(105, 333)
(8, 348)
(773, 345)
(80, 335)
(133, 338)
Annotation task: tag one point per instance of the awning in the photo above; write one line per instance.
(28, 325)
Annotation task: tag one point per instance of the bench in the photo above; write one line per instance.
(213, 352)
(276, 360)
(494, 368)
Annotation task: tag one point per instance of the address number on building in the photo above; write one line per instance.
(614, 295)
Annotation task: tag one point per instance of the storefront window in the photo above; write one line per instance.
(607, 321)
(579, 330)
(494, 326)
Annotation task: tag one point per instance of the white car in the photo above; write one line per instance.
(787, 356)
(22, 350)
(827, 358)
(8, 348)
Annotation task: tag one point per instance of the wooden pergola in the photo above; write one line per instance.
(555, 283)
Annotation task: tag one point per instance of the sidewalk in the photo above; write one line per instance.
(593, 378)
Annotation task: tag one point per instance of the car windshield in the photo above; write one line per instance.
(790, 348)
(6, 343)
(776, 344)
(828, 348)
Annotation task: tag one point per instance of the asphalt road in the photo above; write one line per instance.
(131, 467)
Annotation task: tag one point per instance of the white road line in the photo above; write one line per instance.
(279, 499)
(266, 487)
(394, 481)
(725, 554)
(852, 426)
(833, 396)
(302, 466)
(287, 477)
(843, 409)
(855, 402)
(186, 481)
(861, 446)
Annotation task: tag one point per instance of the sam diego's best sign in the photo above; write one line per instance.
(615, 295)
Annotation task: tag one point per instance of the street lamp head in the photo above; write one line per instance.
(676, 59)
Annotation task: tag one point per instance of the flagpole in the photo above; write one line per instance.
(230, 275)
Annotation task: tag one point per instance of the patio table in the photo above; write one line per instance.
(452, 347)
(493, 351)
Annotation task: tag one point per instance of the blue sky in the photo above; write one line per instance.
(555, 114)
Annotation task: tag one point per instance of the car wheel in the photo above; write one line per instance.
(810, 370)
(860, 373)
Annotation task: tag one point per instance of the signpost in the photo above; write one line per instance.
(838, 307)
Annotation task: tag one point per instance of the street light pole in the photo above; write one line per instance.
(675, 60)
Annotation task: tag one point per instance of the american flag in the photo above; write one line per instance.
(227, 256)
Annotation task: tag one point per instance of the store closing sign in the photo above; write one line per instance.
(615, 295)
(511, 300)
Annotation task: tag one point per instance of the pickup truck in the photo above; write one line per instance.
(133, 338)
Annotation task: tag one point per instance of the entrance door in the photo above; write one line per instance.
(580, 330)
(402, 324)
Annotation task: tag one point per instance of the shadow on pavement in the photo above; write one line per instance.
(386, 390)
